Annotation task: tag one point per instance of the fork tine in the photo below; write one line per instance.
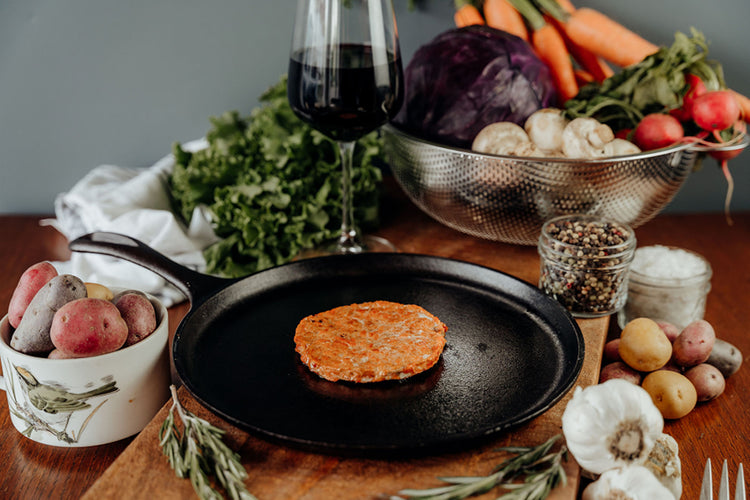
(707, 491)
(739, 491)
(724, 483)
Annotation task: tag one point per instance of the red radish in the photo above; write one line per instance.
(657, 130)
(623, 133)
(716, 110)
(696, 88)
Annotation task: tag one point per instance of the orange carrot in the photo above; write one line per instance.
(466, 14)
(550, 47)
(587, 60)
(500, 14)
(744, 103)
(606, 37)
(583, 77)
(566, 5)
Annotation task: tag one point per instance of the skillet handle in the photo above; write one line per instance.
(196, 286)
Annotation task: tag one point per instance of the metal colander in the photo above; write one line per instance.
(507, 198)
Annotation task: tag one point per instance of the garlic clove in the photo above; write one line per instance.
(611, 425)
(632, 482)
(664, 463)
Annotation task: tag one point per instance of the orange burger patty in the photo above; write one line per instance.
(370, 342)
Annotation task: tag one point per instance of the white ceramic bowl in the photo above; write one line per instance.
(87, 401)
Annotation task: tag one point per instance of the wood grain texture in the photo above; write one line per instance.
(280, 472)
(718, 429)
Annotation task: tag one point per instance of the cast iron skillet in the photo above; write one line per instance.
(511, 351)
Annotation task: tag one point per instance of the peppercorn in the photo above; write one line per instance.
(585, 262)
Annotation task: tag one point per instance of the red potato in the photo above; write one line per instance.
(694, 344)
(657, 130)
(611, 350)
(618, 369)
(708, 381)
(33, 333)
(139, 315)
(670, 330)
(88, 327)
(32, 280)
(58, 354)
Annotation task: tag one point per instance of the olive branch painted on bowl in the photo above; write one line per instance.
(44, 400)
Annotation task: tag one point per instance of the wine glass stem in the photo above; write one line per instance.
(349, 241)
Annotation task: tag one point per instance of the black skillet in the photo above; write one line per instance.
(511, 351)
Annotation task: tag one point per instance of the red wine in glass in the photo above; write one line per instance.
(346, 79)
(348, 97)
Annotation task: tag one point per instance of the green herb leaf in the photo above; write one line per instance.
(272, 185)
(540, 470)
(656, 84)
(199, 451)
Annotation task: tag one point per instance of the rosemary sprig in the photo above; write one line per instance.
(199, 451)
(541, 470)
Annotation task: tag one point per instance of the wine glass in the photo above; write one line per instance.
(346, 80)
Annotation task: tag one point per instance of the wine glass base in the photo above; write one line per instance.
(367, 244)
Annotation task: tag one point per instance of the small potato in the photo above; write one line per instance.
(726, 357)
(58, 354)
(618, 369)
(612, 350)
(672, 393)
(97, 291)
(88, 327)
(32, 280)
(670, 330)
(33, 333)
(708, 381)
(694, 344)
(644, 346)
(139, 314)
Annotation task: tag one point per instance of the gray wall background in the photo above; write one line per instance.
(90, 82)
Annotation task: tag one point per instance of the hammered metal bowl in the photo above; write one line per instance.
(507, 198)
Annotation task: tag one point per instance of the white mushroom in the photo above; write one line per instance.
(545, 128)
(499, 138)
(527, 150)
(586, 138)
(620, 147)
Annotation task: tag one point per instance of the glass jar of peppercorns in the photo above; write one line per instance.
(584, 263)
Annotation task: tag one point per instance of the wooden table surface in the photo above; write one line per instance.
(719, 429)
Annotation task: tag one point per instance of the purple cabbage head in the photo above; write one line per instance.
(467, 78)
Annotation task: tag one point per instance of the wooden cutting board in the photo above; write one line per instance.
(280, 472)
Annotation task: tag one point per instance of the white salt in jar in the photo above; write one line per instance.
(667, 284)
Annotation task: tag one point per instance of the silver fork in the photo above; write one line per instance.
(707, 492)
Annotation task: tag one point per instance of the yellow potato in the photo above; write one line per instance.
(644, 345)
(97, 291)
(672, 393)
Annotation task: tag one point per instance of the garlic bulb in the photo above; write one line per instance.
(611, 425)
(632, 482)
(664, 463)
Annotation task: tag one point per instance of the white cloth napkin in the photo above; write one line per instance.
(134, 202)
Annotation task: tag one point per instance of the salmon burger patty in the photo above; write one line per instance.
(370, 342)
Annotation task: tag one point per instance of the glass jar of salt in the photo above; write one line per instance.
(584, 263)
(667, 284)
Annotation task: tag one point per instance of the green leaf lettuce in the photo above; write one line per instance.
(272, 186)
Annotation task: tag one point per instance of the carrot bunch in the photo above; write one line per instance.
(576, 44)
